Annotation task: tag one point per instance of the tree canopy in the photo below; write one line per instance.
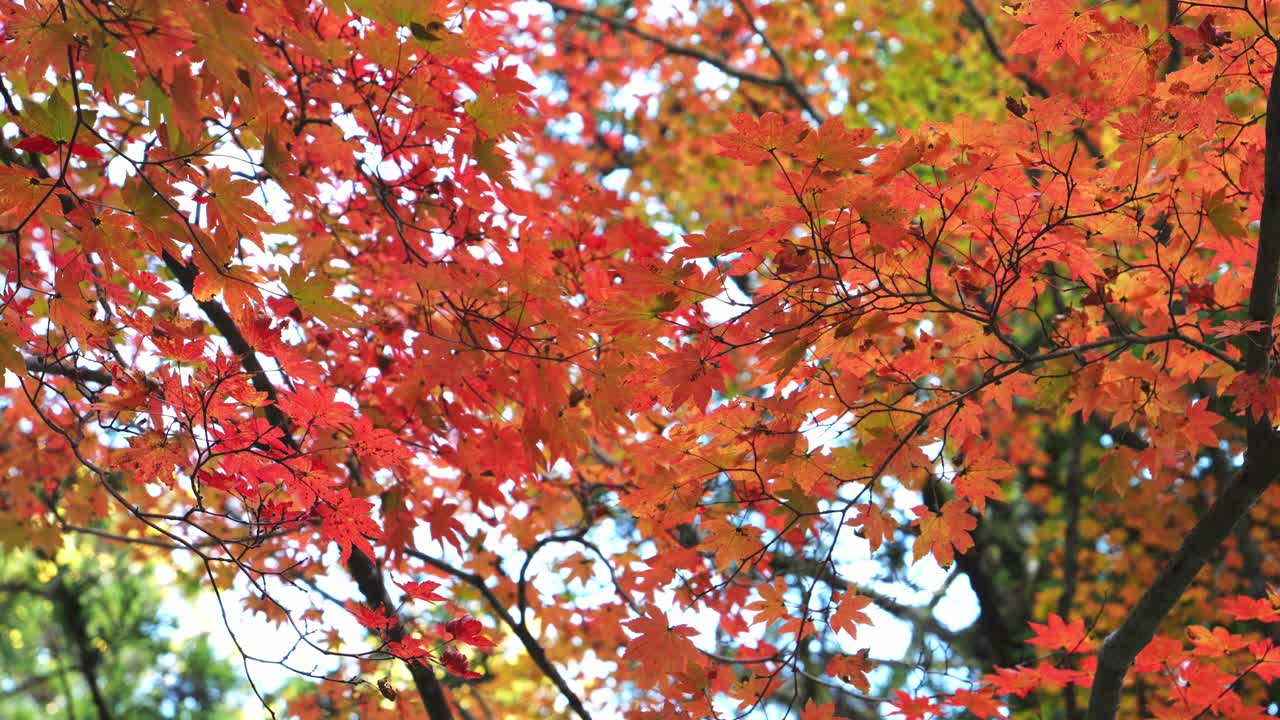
(614, 358)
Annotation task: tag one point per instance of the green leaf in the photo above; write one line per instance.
(62, 119)
(159, 107)
(114, 69)
(313, 295)
(491, 160)
(10, 358)
(1224, 216)
(494, 114)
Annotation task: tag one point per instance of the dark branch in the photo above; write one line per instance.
(784, 80)
(531, 645)
(1033, 86)
(1071, 541)
(77, 628)
(1261, 463)
(54, 367)
(369, 579)
(362, 568)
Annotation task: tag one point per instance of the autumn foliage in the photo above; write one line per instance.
(648, 360)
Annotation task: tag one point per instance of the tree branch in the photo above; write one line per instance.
(77, 628)
(1261, 463)
(1071, 541)
(55, 367)
(784, 80)
(1033, 86)
(369, 579)
(788, 80)
(530, 643)
(362, 568)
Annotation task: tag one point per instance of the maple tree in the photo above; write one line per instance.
(645, 360)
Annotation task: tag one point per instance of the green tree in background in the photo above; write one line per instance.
(85, 635)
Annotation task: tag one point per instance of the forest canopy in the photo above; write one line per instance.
(627, 359)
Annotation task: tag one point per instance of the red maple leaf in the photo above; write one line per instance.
(876, 525)
(911, 708)
(467, 629)
(348, 522)
(373, 619)
(37, 144)
(852, 669)
(455, 662)
(1059, 635)
(424, 591)
(659, 648)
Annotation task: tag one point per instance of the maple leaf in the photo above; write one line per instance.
(456, 663)
(87, 152)
(375, 446)
(754, 140)
(1199, 423)
(718, 239)
(1017, 681)
(232, 213)
(1258, 396)
(442, 523)
(1057, 28)
(348, 522)
(1197, 40)
(852, 669)
(1242, 607)
(848, 614)
(1215, 642)
(1233, 328)
(944, 534)
(835, 146)
(772, 607)
(23, 192)
(495, 113)
(982, 704)
(37, 144)
(911, 708)
(372, 619)
(1130, 61)
(981, 481)
(659, 647)
(424, 591)
(468, 630)
(692, 377)
(876, 525)
(1161, 652)
(409, 649)
(152, 457)
(1060, 635)
(813, 711)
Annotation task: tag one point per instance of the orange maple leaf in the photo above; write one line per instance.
(852, 669)
(943, 534)
(659, 649)
(754, 140)
(877, 525)
(1057, 28)
(848, 614)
